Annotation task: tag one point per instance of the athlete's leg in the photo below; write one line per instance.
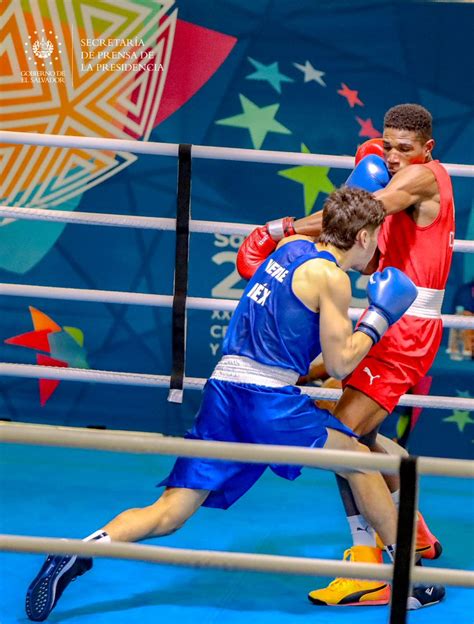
(369, 489)
(373, 499)
(355, 410)
(163, 517)
(358, 411)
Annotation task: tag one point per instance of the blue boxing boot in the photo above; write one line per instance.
(425, 596)
(55, 575)
(47, 587)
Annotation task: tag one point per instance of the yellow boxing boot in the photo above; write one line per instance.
(346, 592)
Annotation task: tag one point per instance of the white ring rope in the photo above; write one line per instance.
(152, 443)
(131, 221)
(230, 560)
(148, 223)
(34, 371)
(198, 151)
(166, 301)
(224, 560)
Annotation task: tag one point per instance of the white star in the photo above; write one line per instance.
(310, 73)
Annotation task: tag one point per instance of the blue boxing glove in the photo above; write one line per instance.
(371, 174)
(390, 294)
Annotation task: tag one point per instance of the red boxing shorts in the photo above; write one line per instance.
(398, 361)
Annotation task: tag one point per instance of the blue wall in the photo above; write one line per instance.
(388, 52)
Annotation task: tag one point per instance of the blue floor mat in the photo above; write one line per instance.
(70, 493)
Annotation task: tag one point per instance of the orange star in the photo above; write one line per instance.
(367, 129)
(351, 96)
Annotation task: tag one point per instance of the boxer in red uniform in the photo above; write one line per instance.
(416, 237)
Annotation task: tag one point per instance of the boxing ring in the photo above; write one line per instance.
(263, 602)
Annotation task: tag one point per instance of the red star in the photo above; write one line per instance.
(367, 129)
(351, 96)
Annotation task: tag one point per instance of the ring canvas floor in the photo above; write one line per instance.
(69, 493)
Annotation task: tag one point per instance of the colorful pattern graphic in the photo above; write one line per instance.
(302, 54)
(64, 345)
(78, 67)
(90, 100)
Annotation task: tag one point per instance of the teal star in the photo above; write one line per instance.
(271, 73)
(314, 180)
(463, 394)
(258, 121)
(461, 418)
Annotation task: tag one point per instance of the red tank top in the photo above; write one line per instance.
(423, 253)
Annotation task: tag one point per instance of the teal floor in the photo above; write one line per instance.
(70, 493)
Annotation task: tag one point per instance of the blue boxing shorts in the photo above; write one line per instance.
(238, 412)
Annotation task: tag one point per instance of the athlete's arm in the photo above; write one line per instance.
(310, 225)
(370, 173)
(342, 349)
(408, 187)
(390, 294)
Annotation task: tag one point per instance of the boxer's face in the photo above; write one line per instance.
(404, 147)
(371, 244)
(367, 239)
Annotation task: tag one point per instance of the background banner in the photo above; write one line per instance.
(300, 76)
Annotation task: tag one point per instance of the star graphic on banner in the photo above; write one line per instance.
(352, 97)
(270, 73)
(367, 129)
(61, 346)
(461, 418)
(314, 180)
(258, 121)
(311, 74)
(464, 394)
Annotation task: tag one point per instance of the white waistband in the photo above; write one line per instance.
(427, 303)
(240, 369)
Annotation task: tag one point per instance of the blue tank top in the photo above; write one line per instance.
(270, 324)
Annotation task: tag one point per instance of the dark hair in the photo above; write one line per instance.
(346, 211)
(410, 117)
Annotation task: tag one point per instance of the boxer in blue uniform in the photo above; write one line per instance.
(294, 307)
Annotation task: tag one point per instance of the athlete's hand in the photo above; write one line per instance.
(390, 294)
(260, 243)
(371, 174)
(372, 146)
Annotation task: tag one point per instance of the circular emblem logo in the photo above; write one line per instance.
(43, 48)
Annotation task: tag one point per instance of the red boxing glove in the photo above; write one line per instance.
(260, 243)
(372, 146)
